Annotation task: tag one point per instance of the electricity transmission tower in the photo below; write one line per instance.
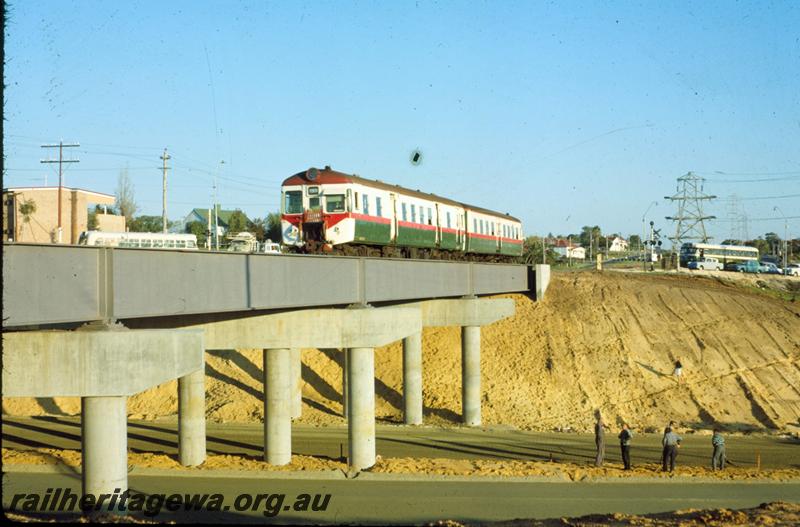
(690, 217)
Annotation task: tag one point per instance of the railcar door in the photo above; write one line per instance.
(393, 224)
(438, 225)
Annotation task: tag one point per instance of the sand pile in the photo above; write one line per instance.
(598, 341)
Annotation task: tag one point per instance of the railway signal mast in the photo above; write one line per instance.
(690, 217)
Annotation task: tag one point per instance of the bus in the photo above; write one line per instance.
(139, 240)
(692, 252)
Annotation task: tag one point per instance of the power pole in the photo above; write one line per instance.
(690, 217)
(164, 168)
(60, 162)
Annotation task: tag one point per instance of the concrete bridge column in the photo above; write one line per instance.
(104, 447)
(412, 379)
(297, 383)
(192, 418)
(345, 354)
(471, 375)
(361, 408)
(277, 406)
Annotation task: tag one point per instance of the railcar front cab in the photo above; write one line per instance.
(305, 208)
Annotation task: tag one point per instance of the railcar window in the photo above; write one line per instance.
(448, 219)
(334, 203)
(293, 202)
(180, 244)
(378, 210)
(157, 244)
(474, 225)
(403, 206)
(421, 215)
(313, 204)
(169, 244)
(366, 204)
(147, 243)
(430, 216)
(413, 213)
(357, 205)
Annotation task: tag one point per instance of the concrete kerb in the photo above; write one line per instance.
(327, 475)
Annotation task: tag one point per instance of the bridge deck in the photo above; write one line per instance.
(57, 284)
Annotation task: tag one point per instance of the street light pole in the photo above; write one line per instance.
(785, 235)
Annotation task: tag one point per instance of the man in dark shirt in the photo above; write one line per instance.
(625, 445)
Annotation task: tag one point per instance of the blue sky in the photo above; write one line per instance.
(562, 114)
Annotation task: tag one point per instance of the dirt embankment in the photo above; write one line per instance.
(599, 340)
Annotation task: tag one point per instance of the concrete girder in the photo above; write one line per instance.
(314, 328)
(96, 363)
(465, 311)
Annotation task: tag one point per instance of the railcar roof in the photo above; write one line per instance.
(329, 176)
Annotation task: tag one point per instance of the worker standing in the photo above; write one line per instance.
(625, 445)
(718, 457)
(600, 440)
(671, 443)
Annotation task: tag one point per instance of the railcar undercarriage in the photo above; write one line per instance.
(393, 251)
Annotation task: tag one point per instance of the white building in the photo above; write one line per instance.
(566, 249)
(618, 245)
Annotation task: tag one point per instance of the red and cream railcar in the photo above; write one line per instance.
(323, 210)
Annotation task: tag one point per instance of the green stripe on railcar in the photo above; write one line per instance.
(372, 232)
(449, 241)
(412, 237)
(481, 245)
(511, 249)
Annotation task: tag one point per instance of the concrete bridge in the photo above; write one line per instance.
(103, 324)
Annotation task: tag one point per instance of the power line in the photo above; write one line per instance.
(785, 196)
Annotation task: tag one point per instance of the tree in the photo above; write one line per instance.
(274, 231)
(532, 251)
(237, 223)
(147, 224)
(198, 228)
(125, 202)
(634, 242)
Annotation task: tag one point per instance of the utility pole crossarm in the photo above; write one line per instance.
(164, 157)
(60, 162)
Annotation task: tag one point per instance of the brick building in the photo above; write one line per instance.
(30, 214)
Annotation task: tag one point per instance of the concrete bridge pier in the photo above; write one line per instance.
(278, 399)
(470, 313)
(104, 364)
(471, 375)
(358, 331)
(192, 418)
(361, 408)
(297, 383)
(412, 379)
(104, 448)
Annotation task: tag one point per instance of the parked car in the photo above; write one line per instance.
(749, 266)
(792, 269)
(769, 268)
(271, 247)
(707, 264)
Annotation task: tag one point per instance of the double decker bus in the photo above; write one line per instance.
(692, 252)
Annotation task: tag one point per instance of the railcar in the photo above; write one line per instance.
(326, 211)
